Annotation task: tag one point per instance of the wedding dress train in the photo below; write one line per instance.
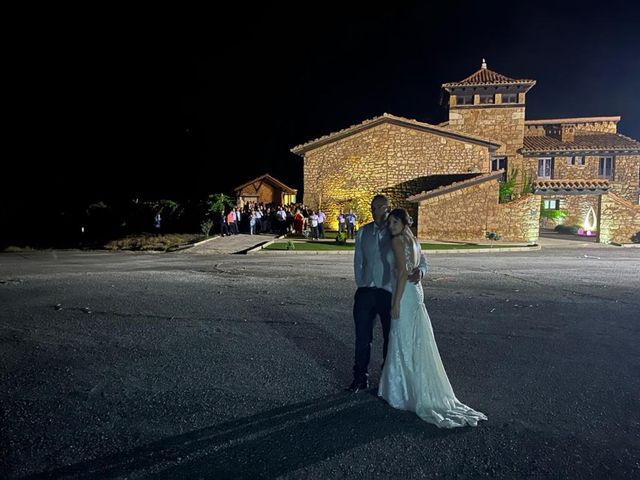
(413, 377)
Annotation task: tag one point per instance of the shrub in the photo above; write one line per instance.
(572, 229)
(341, 238)
(553, 214)
(205, 227)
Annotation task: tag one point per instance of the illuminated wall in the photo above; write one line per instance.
(469, 213)
(619, 221)
(347, 173)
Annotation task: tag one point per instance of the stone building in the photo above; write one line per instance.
(265, 189)
(449, 175)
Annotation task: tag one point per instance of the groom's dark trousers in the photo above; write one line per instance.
(369, 303)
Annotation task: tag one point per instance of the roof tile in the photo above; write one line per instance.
(595, 141)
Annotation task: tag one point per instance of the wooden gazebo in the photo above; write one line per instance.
(265, 189)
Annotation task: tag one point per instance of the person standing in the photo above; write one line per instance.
(157, 222)
(342, 225)
(313, 221)
(321, 218)
(414, 377)
(224, 230)
(373, 263)
(351, 224)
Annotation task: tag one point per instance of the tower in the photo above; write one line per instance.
(491, 105)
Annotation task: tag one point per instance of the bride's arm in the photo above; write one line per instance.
(398, 253)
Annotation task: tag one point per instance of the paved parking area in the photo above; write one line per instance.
(120, 365)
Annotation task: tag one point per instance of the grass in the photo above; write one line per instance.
(331, 234)
(311, 246)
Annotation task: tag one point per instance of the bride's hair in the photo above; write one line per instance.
(402, 215)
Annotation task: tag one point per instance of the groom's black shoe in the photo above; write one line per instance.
(358, 385)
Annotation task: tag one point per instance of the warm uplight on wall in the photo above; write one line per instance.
(590, 222)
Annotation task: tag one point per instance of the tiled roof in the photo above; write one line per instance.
(484, 76)
(428, 183)
(589, 142)
(571, 184)
(388, 118)
(269, 179)
(452, 187)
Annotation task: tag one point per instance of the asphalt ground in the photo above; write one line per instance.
(120, 365)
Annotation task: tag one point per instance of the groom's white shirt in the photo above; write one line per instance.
(373, 259)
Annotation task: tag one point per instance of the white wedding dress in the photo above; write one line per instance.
(413, 377)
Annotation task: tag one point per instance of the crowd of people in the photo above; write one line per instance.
(255, 218)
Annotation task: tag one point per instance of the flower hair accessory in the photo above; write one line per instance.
(409, 220)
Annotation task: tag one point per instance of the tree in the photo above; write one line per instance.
(219, 202)
(216, 204)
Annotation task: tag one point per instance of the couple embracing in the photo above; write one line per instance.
(389, 266)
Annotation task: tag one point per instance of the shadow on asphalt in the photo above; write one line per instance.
(552, 234)
(265, 445)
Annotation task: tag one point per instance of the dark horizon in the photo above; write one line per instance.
(106, 104)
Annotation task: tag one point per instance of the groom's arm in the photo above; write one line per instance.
(424, 267)
(358, 269)
(420, 271)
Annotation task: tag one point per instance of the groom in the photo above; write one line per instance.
(373, 263)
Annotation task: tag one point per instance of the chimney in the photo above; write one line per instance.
(568, 133)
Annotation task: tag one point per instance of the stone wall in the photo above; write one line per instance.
(625, 181)
(502, 124)
(469, 213)
(626, 177)
(346, 174)
(596, 127)
(518, 220)
(583, 128)
(620, 220)
(499, 123)
(562, 168)
(577, 207)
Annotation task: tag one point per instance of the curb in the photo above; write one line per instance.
(262, 245)
(426, 252)
(626, 245)
(204, 241)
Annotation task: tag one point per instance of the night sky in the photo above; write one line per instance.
(181, 104)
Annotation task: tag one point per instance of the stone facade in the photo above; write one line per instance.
(620, 220)
(626, 173)
(392, 155)
(346, 174)
(624, 181)
(504, 124)
(577, 207)
(602, 126)
(467, 214)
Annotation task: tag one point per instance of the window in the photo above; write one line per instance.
(605, 167)
(464, 99)
(551, 205)
(509, 98)
(575, 160)
(486, 99)
(498, 163)
(545, 167)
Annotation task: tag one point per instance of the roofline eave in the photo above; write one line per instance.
(585, 151)
(302, 149)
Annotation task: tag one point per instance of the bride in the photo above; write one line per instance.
(413, 377)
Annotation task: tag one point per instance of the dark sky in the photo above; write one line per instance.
(173, 104)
